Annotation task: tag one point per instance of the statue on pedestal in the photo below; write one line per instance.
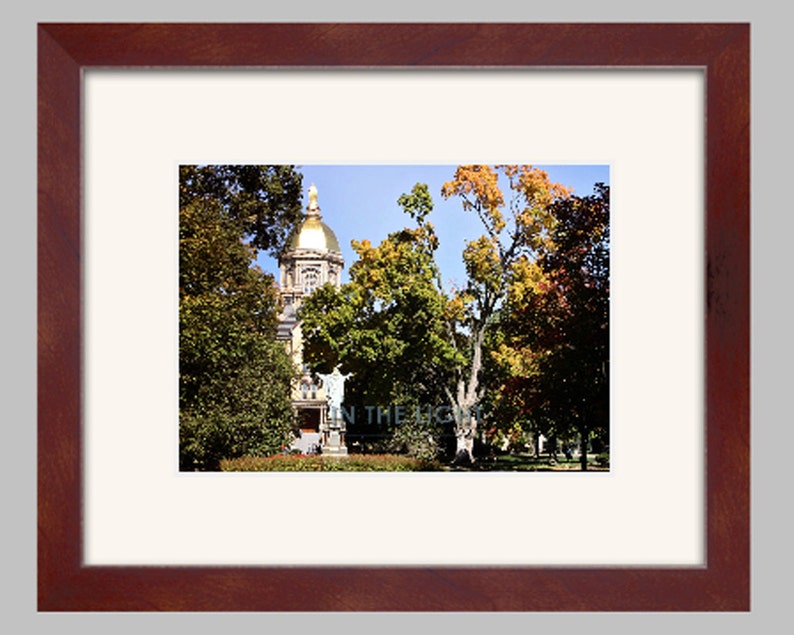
(334, 384)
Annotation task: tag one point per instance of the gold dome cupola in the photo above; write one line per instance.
(313, 233)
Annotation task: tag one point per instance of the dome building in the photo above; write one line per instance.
(311, 259)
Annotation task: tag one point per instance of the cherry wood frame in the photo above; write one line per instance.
(720, 50)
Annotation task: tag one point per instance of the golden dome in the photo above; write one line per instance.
(313, 233)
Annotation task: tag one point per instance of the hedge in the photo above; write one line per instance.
(320, 463)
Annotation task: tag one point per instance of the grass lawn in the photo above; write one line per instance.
(528, 463)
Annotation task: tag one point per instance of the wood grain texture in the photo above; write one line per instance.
(64, 584)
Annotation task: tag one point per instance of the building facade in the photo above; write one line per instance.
(311, 259)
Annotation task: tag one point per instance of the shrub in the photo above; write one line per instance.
(320, 463)
(416, 439)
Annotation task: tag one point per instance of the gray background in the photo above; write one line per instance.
(772, 345)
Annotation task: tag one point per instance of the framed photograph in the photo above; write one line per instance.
(663, 107)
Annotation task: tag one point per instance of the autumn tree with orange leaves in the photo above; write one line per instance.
(517, 231)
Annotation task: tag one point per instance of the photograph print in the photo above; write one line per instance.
(394, 318)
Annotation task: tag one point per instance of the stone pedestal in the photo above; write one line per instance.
(334, 438)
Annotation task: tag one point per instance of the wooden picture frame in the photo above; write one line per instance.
(66, 584)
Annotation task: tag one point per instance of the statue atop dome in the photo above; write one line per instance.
(313, 197)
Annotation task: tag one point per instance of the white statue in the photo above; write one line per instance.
(335, 388)
(313, 197)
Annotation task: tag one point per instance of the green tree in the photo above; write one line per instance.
(385, 327)
(264, 200)
(234, 377)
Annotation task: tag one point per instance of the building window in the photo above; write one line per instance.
(307, 389)
(311, 279)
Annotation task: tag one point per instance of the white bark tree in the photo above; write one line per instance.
(516, 232)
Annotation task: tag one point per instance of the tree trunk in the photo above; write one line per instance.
(465, 427)
(583, 434)
(465, 403)
(464, 449)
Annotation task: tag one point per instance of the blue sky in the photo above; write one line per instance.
(360, 202)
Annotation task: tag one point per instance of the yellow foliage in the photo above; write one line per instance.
(478, 188)
(535, 186)
(477, 181)
(526, 279)
(482, 261)
(519, 362)
(457, 306)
